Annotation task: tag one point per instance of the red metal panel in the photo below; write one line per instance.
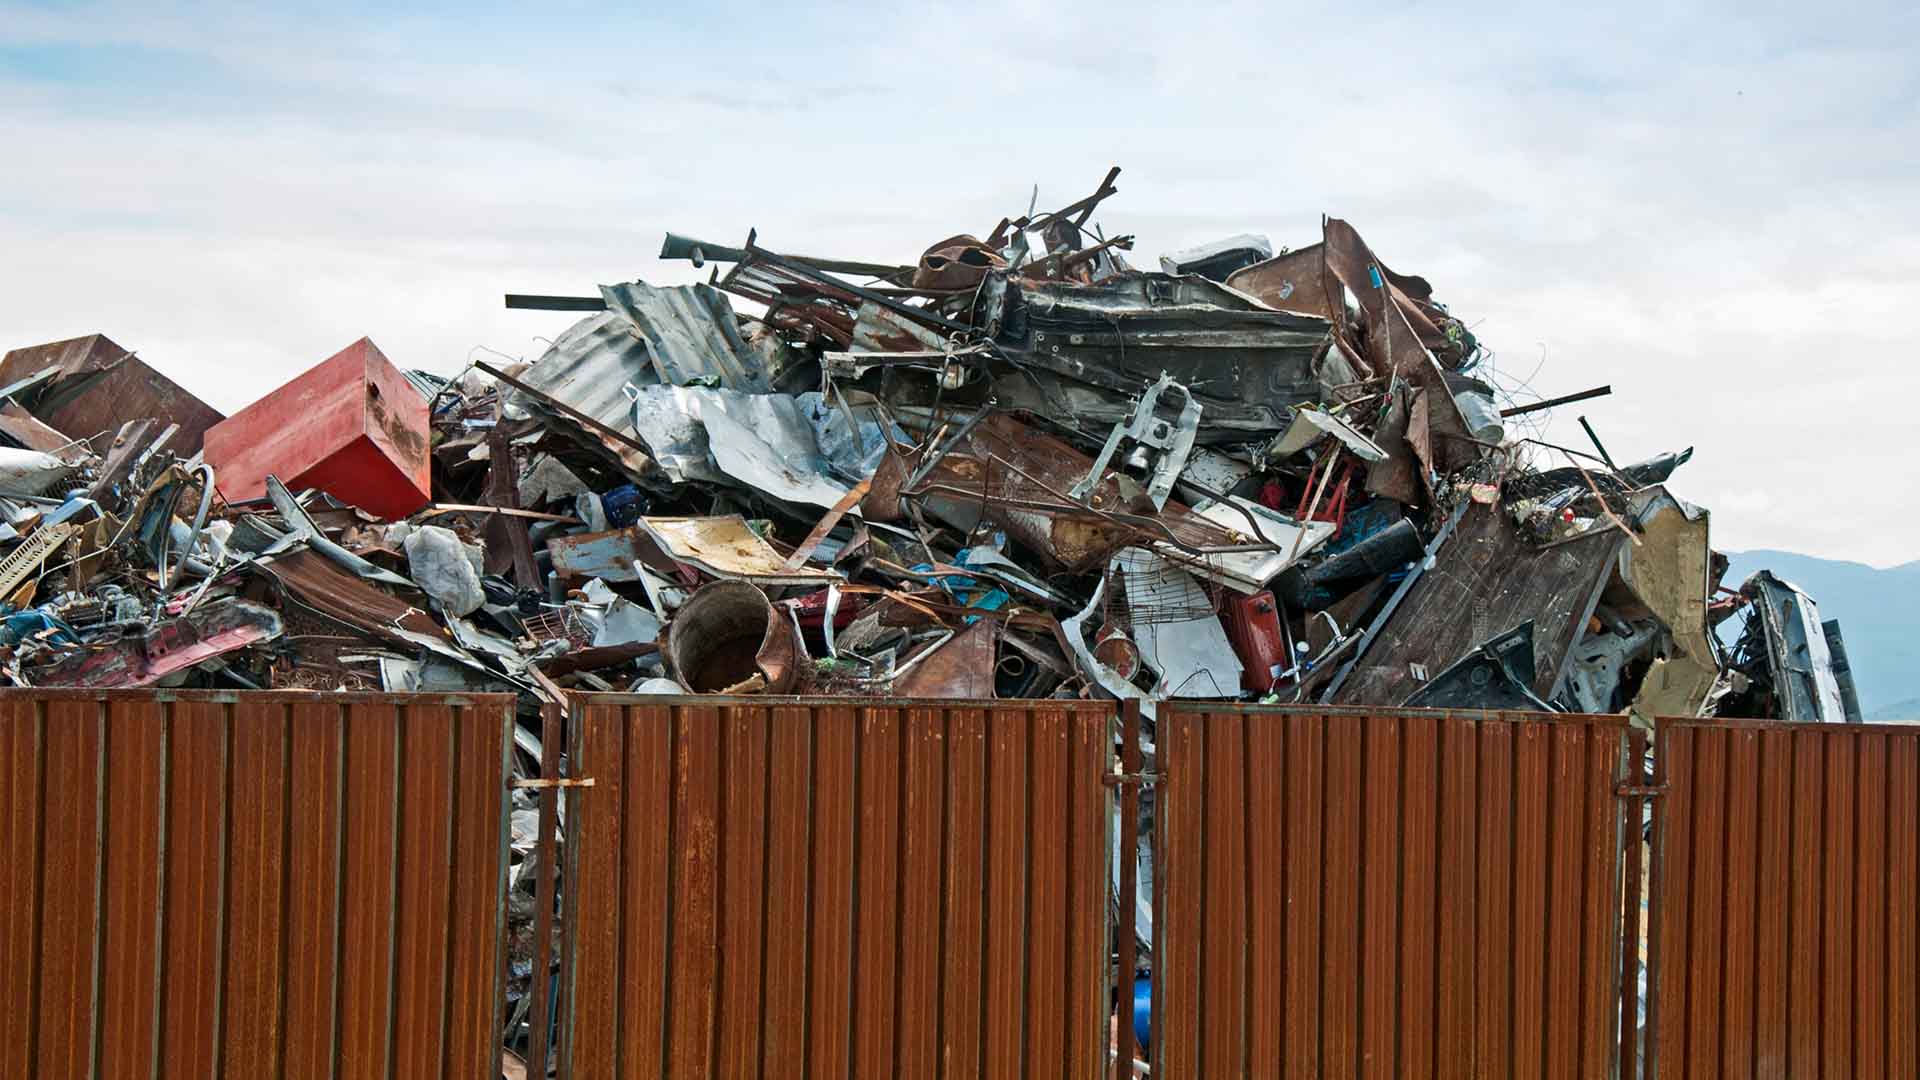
(962, 965)
(1493, 960)
(1458, 835)
(789, 839)
(1380, 898)
(256, 856)
(1837, 927)
(1566, 781)
(876, 925)
(1809, 850)
(743, 819)
(1903, 897)
(591, 1046)
(1268, 891)
(194, 903)
(1089, 813)
(1870, 909)
(1008, 835)
(1340, 947)
(21, 783)
(197, 897)
(136, 748)
(1771, 896)
(1177, 928)
(1224, 929)
(693, 921)
(634, 756)
(1301, 870)
(1742, 823)
(1046, 1049)
(70, 888)
(1600, 919)
(1420, 797)
(835, 817)
(316, 737)
(921, 944)
(1531, 862)
(476, 927)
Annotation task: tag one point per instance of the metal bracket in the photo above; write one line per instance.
(544, 782)
(1647, 791)
(1124, 779)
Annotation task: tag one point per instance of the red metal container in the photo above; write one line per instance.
(1253, 625)
(352, 426)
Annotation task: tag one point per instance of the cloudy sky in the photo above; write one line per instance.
(1716, 212)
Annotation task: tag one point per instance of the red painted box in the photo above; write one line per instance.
(1253, 625)
(352, 426)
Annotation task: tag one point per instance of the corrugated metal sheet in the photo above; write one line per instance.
(1785, 871)
(1385, 893)
(259, 884)
(803, 887)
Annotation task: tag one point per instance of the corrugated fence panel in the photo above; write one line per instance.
(252, 885)
(834, 888)
(1784, 880)
(1402, 893)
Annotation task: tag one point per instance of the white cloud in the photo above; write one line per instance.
(1714, 211)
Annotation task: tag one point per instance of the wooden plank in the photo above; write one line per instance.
(1181, 798)
(1008, 833)
(1838, 925)
(743, 848)
(1089, 758)
(1531, 983)
(1566, 790)
(70, 889)
(1046, 1050)
(1870, 906)
(1903, 896)
(834, 821)
(1493, 893)
(1269, 892)
(877, 912)
(789, 839)
(195, 857)
(694, 918)
(1742, 819)
(20, 798)
(964, 916)
(1303, 873)
(633, 772)
(1804, 922)
(1420, 814)
(1380, 898)
(255, 837)
(130, 949)
(478, 875)
(1772, 916)
(316, 742)
(1223, 923)
(1458, 855)
(1340, 905)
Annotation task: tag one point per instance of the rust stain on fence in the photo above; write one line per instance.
(834, 888)
(1386, 893)
(1785, 869)
(257, 884)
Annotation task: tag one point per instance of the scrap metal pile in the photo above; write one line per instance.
(1014, 467)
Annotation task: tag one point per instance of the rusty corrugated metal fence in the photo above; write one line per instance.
(837, 888)
(257, 884)
(1784, 930)
(1385, 893)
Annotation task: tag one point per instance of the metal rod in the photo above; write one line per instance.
(1128, 964)
(1630, 909)
(1565, 399)
(1604, 456)
(562, 406)
(532, 302)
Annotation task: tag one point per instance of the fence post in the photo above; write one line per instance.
(1130, 780)
(1634, 793)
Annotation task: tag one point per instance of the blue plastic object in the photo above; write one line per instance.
(623, 506)
(1143, 1011)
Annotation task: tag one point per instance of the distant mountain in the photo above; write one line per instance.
(1900, 712)
(1879, 613)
